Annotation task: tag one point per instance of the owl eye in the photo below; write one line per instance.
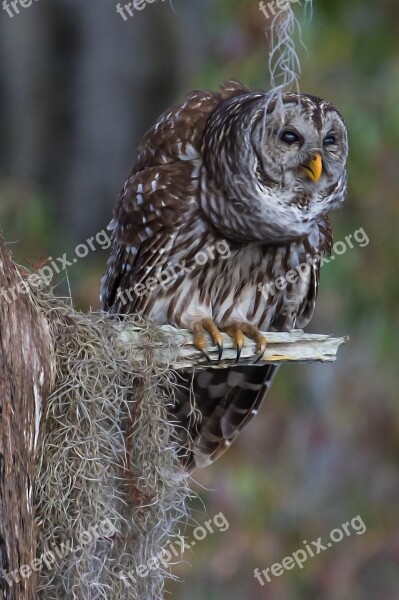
(290, 137)
(329, 140)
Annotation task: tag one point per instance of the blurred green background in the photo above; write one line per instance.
(79, 86)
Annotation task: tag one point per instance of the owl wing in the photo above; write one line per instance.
(147, 220)
(323, 246)
(154, 205)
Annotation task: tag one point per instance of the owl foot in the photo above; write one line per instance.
(237, 332)
(200, 341)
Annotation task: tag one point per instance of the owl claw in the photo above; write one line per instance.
(205, 353)
(260, 355)
(237, 332)
(238, 354)
(200, 342)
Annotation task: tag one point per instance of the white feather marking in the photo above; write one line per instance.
(190, 152)
(196, 170)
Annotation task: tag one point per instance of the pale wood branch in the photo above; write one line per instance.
(291, 347)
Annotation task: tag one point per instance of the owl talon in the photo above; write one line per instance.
(200, 341)
(260, 355)
(238, 354)
(205, 353)
(237, 332)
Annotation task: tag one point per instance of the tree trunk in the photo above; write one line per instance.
(25, 382)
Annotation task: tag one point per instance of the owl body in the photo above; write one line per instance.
(224, 217)
(240, 284)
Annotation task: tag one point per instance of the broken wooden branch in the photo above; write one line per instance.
(289, 347)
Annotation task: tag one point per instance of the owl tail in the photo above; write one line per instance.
(212, 407)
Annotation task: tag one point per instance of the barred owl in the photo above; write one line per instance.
(243, 172)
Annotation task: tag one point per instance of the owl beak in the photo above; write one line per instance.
(314, 168)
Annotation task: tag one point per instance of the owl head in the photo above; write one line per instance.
(279, 165)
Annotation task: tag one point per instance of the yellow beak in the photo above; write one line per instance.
(314, 168)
